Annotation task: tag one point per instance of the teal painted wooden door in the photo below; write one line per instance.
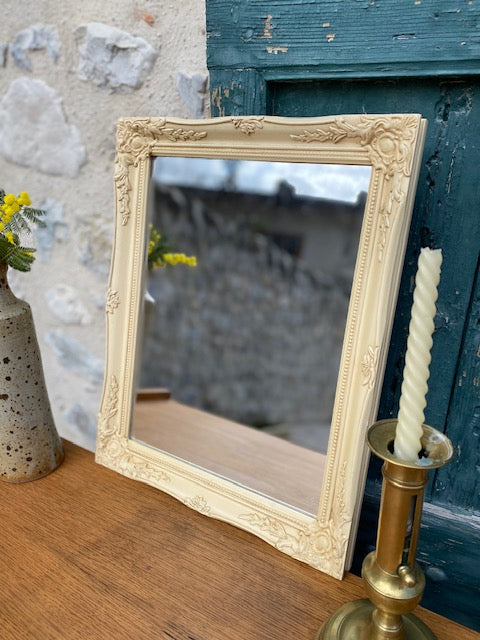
(446, 215)
(315, 57)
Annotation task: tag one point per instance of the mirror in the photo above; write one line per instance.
(224, 383)
(254, 333)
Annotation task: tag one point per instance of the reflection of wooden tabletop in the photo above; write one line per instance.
(258, 460)
(87, 554)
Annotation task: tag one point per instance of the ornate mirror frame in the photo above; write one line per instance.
(392, 146)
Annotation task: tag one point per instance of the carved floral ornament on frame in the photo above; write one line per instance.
(391, 145)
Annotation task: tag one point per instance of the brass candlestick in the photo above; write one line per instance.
(393, 580)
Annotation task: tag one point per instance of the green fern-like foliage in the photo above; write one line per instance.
(23, 220)
(16, 256)
(158, 246)
(16, 219)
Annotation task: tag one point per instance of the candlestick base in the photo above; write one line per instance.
(353, 621)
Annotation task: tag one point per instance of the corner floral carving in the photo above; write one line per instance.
(387, 214)
(320, 545)
(198, 503)
(113, 450)
(113, 301)
(137, 139)
(369, 366)
(137, 468)
(389, 140)
(248, 125)
(109, 445)
(124, 187)
(106, 428)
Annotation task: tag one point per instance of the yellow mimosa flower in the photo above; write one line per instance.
(9, 198)
(24, 199)
(9, 211)
(9, 237)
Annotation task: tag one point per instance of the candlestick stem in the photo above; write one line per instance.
(393, 581)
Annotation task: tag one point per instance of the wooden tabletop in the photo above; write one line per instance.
(87, 553)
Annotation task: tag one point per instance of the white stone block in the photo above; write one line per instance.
(65, 304)
(34, 131)
(111, 58)
(34, 38)
(192, 90)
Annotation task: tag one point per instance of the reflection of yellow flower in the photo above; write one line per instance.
(160, 252)
(179, 258)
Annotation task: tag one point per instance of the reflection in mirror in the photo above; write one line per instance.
(254, 333)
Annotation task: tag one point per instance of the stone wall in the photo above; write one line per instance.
(68, 72)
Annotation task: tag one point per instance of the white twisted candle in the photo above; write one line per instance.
(417, 360)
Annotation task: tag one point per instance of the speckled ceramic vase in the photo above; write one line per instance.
(29, 444)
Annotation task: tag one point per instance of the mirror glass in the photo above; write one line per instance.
(252, 336)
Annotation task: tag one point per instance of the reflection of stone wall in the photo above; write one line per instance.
(251, 333)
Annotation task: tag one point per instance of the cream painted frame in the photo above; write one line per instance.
(392, 145)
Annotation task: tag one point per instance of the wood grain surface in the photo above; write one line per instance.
(319, 37)
(87, 553)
